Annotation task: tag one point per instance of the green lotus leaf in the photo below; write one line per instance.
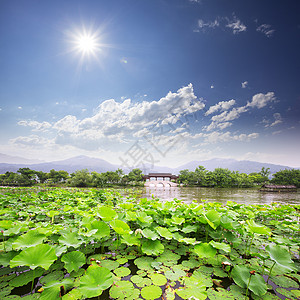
(120, 227)
(190, 264)
(130, 239)
(177, 220)
(169, 293)
(189, 228)
(53, 276)
(31, 297)
(122, 260)
(144, 263)
(205, 250)
(52, 213)
(122, 271)
(164, 232)
(149, 234)
(288, 294)
(213, 218)
(38, 256)
(6, 257)
(143, 217)
(284, 282)
(52, 289)
(221, 246)
(26, 277)
(220, 294)
(258, 229)
(158, 279)
(70, 239)
(5, 224)
(174, 275)
(73, 260)
(151, 292)
(106, 213)
(29, 239)
(59, 250)
(109, 264)
(102, 228)
(121, 290)
(95, 281)
(150, 247)
(192, 292)
(241, 276)
(5, 291)
(281, 256)
(201, 278)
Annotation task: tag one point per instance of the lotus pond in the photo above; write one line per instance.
(97, 244)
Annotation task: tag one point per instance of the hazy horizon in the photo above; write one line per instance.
(157, 82)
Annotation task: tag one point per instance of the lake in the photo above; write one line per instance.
(222, 195)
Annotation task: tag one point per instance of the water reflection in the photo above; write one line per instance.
(247, 196)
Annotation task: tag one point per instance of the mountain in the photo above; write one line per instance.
(70, 165)
(100, 165)
(243, 166)
(8, 159)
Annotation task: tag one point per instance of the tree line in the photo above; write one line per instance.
(221, 177)
(201, 177)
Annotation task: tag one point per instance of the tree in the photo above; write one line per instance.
(200, 176)
(265, 173)
(287, 177)
(58, 176)
(81, 178)
(135, 175)
(186, 177)
(42, 176)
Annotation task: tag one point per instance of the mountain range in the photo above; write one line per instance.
(12, 164)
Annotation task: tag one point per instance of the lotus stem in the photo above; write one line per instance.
(33, 280)
(249, 248)
(3, 239)
(271, 271)
(248, 285)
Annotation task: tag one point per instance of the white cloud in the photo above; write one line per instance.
(20, 107)
(222, 105)
(217, 137)
(68, 124)
(37, 126)
(202, 25)
(236, 25)
(212, 87)
(261, 100)
(244, 84)
(266, 30)
(277, 118)
(31, 140)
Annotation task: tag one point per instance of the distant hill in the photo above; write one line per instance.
(243, 166)
(100, 165)
(8, 159)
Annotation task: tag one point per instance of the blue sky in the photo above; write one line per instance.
(159, 82)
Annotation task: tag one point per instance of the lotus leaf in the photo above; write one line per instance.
(150, 247)
(151, 292)
(258, 229)
(241, 276)
(95, 281)
(164, 232)
(213, 218)
(177, 220)
(38, 256)
(52, 289)
(220, 246)
(174, 275)
(102, 228)
(73, 260)
(109, 264)
(143, 217)
(29, 239)
(285, 282)
(144, 263)
(70, 239)
(189, 228)
(220, 293)
(149, 234)
(288, 294)
(6, 257)
(122, 271)
(205, 250)
(120, 227)
(121, 290)
(158, 279)
(192, 292)
(267, 296)
(130, 239)
(106, 213)
(281, 256)
(5, 291)
(26, 277)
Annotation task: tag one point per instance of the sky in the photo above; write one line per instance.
(160, 82)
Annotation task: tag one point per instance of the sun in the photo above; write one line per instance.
(87, 44)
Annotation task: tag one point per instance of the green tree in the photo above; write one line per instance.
(58, 176)
(187, 177)
(42, 176)
(200, 176)
(135, 175)
(81, 178)
(265, 173)
(287, 177)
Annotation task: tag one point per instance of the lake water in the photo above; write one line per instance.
(222, 195)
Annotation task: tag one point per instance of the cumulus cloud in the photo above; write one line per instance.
(244, 84)
(31, 140)
(266, 30)
(261, 100)
(222, 105)
(36, 126)
(213, 24)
